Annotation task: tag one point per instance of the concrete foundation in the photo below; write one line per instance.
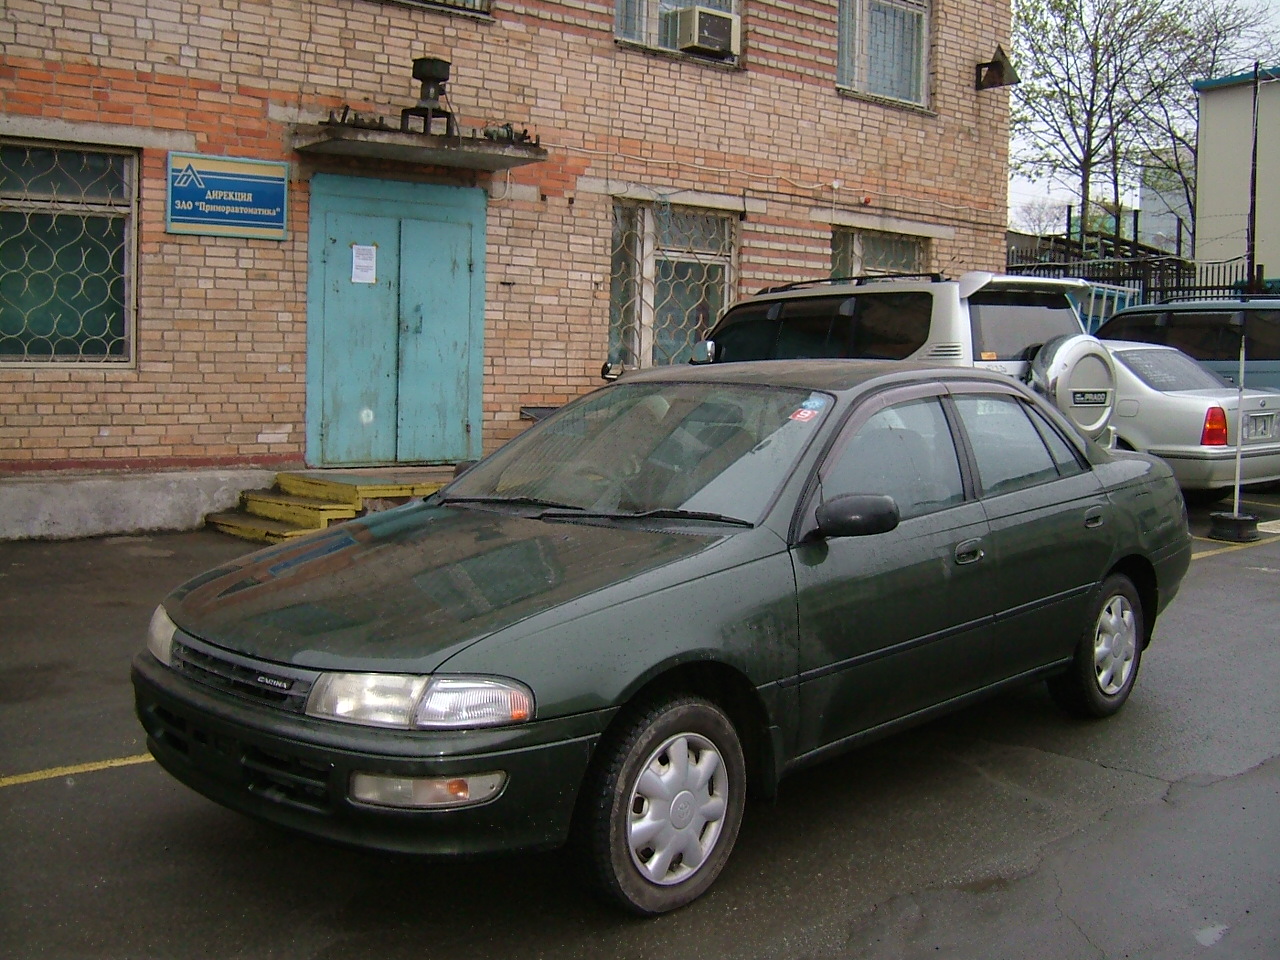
(89, 505)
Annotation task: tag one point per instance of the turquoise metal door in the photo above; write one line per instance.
(395, 323)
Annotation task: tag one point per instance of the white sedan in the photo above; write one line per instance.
(1170, 406)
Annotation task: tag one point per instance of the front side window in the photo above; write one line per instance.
(66, 235)
(667, 24)
(671, 270)
(905, 451)
(859, 253)
(883, 48)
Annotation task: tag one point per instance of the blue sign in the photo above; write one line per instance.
(227, 197)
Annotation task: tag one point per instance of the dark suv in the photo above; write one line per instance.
(1209, 331)
(1026, 327)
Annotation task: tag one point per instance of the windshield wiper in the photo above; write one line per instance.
(516, 501)
(661, 513)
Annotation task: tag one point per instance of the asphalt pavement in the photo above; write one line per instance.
(1004, 831)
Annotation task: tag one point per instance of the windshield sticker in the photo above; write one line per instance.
(804, 416)
(814, 403)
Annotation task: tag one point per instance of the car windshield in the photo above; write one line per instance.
(713, 450)
(1169, 370)
(1007, 322)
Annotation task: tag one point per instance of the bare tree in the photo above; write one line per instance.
(1106, 90)
(1041, 216)
(1221, 37)
(1083, 64)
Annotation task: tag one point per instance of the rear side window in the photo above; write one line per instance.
(1006, 323)
(1262, 327)
(1167, 370)
(869, 326)
(1010, 450)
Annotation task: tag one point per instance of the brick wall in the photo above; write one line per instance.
(221, 323)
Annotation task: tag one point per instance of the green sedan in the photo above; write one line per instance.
(669, 594)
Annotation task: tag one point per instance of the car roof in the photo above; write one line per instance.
(827, 375)
(1252, 302)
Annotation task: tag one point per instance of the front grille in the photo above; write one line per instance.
(266, 683)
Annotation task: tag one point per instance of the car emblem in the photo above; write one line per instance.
(275, 682)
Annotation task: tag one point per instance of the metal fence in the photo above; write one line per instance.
(1153, 279)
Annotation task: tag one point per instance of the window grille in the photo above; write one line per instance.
(882, 48)
(856, 253)
(671, 270)
(470, 6)
(66, 240)
(653, 22)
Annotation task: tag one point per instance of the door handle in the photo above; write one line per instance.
(970, 551)
(1093, 518)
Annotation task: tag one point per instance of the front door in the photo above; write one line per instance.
(395, 323)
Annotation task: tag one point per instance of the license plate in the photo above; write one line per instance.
(1260, 427)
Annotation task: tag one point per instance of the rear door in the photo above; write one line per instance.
(1051, 528)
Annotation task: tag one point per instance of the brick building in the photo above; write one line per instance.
(597, 180)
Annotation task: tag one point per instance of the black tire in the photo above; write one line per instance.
(1106, 661)
(635, 842)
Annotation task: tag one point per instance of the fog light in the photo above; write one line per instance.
(426, 793)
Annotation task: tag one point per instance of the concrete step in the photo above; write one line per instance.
(246, 526)
(295, 510)
(305, 500)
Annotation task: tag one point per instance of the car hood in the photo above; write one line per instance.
(410, 587)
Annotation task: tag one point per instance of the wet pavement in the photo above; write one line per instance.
(1004, 831)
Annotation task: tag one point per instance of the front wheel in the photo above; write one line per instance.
(663, 806)
(1105, 666)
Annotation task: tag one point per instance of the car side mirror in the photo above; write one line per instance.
(857, 515)
(704, 351)
(611, 371)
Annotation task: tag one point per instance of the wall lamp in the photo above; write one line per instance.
(996, 72)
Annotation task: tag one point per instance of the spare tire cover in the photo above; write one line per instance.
(1077, 375)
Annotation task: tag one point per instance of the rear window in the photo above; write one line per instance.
(1168, 370)
(1203, 334)
(1007, 323)
(868, 326)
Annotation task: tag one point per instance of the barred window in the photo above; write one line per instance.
(471, 6)
(671, 270)
(66, 236)
(654, 22)
(883, 48)
(856, 253)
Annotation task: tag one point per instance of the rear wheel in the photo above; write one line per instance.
(661, 811)
(1105, 666)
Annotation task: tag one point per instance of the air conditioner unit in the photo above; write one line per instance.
(707, 31)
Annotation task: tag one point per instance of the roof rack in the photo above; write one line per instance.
(858, 281)
(1235, 298)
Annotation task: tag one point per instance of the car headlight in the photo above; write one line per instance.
(160, 636)
(420, 703)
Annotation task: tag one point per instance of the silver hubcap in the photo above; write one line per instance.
(1115, 645)
(677, 808)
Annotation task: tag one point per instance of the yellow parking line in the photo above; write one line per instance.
(1228, 547)
(54, 772)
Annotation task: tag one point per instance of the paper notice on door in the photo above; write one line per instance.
(364, 263)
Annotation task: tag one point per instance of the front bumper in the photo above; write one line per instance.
(294, 770)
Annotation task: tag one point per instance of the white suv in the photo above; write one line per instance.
(1026, 327)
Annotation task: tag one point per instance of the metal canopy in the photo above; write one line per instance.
(465, 152)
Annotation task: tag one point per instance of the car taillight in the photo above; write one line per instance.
(1214, 433)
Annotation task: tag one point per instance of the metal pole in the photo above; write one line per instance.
(1235, 509)
(1251, 251)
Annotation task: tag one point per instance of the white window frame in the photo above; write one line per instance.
(124, 209)
(649, 253)
(642, 21)
(856, 56)
(856, 255)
